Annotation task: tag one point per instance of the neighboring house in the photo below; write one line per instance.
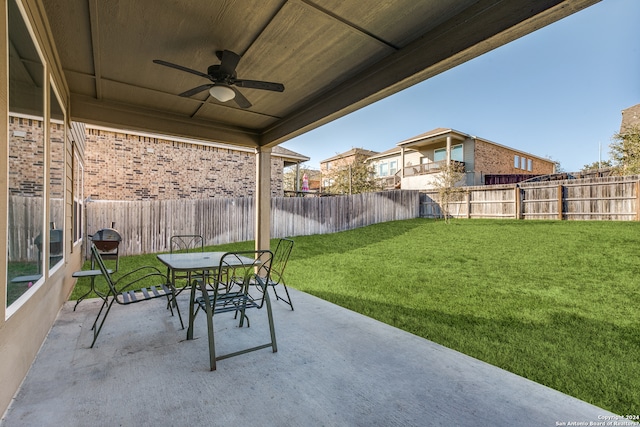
(127, 165)
(341, 161)
(415, 163)
(388, 167)
(630, 117)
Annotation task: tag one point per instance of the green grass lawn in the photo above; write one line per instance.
(555, 302)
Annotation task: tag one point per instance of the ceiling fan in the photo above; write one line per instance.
(223, 79)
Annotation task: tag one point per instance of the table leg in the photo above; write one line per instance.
(192, 297)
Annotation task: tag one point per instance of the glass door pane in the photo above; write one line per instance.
(26, 159)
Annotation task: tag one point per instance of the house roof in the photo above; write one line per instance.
(388, 153)
(332, 56)
(290, 157)
(352, 152)
(434, 134)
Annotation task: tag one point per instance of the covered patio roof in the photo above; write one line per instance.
(332, 56)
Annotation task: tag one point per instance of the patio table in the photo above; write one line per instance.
(194, 261)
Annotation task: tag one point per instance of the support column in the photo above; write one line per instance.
(402, 161)
(263, 198)
(448, 150)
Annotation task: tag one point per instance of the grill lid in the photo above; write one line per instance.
(106, 239)
(106, 235)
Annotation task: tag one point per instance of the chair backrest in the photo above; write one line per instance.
(105, 273)
(280, 259)
(186, 243)
(245, 267)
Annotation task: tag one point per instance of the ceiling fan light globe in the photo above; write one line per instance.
(222, 93)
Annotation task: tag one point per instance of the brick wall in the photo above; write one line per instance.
(327, 168)
(121, 166)
(26, 157)
(57, 153)
(494, 159)
(630, 118)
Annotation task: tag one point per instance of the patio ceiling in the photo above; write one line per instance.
(333, 57)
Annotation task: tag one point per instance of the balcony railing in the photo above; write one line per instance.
(428, 168)
(390, 182)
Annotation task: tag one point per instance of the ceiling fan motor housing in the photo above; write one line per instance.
(216, 74)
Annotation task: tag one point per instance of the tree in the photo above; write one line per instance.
(354, 178)
(625, 151)
(446, 183)
(558, 167)
(597, 165)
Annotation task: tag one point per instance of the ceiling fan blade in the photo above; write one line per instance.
(181, 68)
(240, 99)
(255, 84)
(228, 62)
(195, 90)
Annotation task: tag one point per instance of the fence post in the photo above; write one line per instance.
(560, 200)
(518, 202)
(468, 204)
(638, 200)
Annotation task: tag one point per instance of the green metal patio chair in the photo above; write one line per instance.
(237, 273)
(186, 243)
(279, 264)
(280, 259)
(126, 294)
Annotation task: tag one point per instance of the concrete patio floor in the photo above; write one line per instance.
(333, 367)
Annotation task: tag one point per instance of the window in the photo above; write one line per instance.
(383, 169)
(26, 162)
(440, 154)
(530, 165)
(393, 167)
(516, 161)
(456, 153)
(523, 163)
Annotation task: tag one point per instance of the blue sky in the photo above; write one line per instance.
(558, 92)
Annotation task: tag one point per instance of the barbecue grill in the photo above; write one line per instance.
(107, 241)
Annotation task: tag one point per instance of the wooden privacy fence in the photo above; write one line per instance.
(610, 198)
(25, 227)
(147, 226)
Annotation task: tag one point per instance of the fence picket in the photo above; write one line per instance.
(146, 226)
(610, 198)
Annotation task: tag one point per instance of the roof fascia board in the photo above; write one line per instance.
(433, 138)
